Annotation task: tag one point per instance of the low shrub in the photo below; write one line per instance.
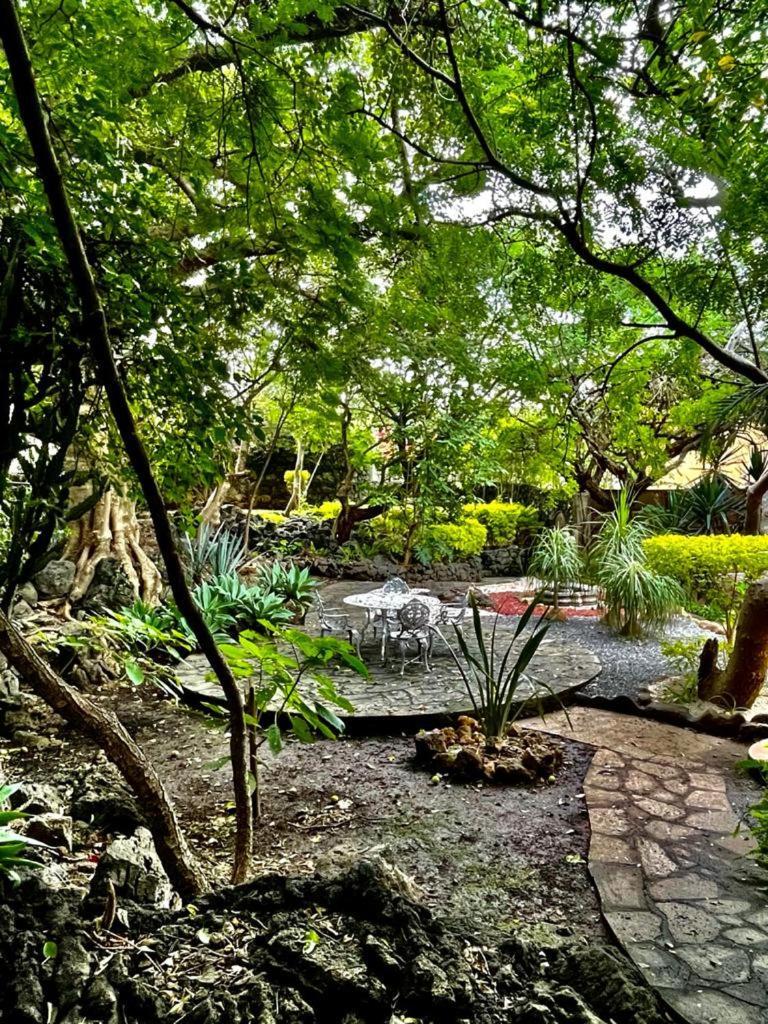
(757, 815)
(448, 542)
(325, 510)
(270, 517)
(703, 565)
(436, 542)
(504, 520)
(684, 656)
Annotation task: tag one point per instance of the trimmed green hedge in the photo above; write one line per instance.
(450, 541)
(701, 563)
(504, 520)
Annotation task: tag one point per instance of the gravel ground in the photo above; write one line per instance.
(628, 665)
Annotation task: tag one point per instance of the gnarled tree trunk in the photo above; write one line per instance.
(112, 737)
(297, 486)
(756, 492)
(211, 513)
(110, 530)
(744, 676)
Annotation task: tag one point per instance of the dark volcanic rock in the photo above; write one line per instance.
(104, 801)
(56, 578)
(351, 948)
(132, 867)
(109, 588)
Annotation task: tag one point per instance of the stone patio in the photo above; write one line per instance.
(676, 884)
(388, 701)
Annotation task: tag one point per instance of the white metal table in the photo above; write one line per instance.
(384, 602)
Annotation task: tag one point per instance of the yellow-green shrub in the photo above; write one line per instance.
(436, 542)
(449, 541)
(269, 516)
(504, 520)
(701, 564)
(325, 510)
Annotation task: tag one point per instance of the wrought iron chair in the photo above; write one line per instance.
(335, 622)
(395, 585)
(411, 626)
(454, 612)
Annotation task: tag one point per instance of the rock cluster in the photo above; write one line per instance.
(349, 948)
(293, 534)
(109, 588)
(522, 757)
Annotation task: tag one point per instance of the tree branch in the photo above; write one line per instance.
(95, 325)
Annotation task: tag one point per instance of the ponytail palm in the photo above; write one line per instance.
(635, 595)
(556, 560)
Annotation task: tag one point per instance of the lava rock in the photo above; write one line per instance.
(103, 801)
(38, 798)
(21, 610)
(35, 740)
(50, 828)
(9, 685)
(378, 954)
(134, 869)
(56, 578)
(109, 588)
(27, 592)
(465, 751)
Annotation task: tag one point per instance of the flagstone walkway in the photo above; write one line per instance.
(677, 887)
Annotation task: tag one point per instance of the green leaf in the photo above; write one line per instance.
(301, 729)
(134, 672)
(274, 738)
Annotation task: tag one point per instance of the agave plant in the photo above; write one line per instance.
(294, 585)
(218, 552)
(635, 596)
(556, 560)
(148, 630)
(216, 611)
(709, 505)
(492, 677)
(231, 589)
(261, 606)
(13, 845)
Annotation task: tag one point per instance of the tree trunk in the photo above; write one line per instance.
(111, 736)
(744, 676)
(211, 513)
(296, 498)
(753, 519)
(95, 329)
(348, 519)
(110, 530)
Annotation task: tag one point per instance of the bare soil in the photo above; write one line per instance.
(494, 858)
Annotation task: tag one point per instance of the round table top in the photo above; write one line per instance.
(386, 601)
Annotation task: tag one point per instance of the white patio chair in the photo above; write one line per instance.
(335, 622)
(410, 626)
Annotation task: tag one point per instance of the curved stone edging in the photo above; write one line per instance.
(736, 726)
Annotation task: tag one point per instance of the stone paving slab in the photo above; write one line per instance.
(677, 887)
(642, 739)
